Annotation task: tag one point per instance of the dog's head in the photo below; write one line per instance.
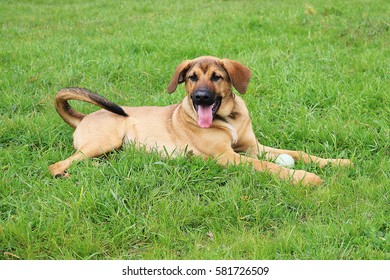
(209, 82)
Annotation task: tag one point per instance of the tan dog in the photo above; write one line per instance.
(211, 121)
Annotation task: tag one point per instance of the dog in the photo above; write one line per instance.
(211, 122)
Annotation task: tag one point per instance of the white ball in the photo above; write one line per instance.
(285, 160)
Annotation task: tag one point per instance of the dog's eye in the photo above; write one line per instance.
(215, 77)
(193, 77)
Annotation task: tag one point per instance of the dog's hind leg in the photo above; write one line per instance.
(86, 151)
(96, 135)
(58, 169)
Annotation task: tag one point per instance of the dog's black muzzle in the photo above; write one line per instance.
(203, 97)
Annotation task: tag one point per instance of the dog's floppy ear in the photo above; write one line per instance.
(238, 73)
(179, 75)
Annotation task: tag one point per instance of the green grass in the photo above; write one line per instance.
(320, 84)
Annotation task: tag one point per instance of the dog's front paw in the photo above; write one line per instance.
(335, 162)
(343, 162)
(306, 178)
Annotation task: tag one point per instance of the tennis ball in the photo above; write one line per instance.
(285, 160)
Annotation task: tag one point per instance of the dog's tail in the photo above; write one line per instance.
(71, 116)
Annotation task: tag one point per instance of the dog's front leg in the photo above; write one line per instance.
(272, 153)
(297, 176)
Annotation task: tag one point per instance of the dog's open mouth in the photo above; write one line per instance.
(206, 113)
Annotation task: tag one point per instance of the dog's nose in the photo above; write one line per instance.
(203, 97)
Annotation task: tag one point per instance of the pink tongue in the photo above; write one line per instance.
(205, 116)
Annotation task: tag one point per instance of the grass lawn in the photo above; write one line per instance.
(320, 83)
